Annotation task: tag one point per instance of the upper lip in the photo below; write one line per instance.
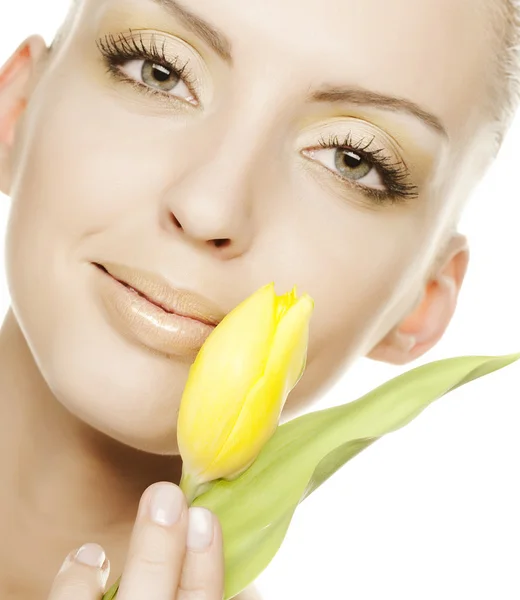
(158, 291)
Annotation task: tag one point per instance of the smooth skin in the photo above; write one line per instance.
(99, 169)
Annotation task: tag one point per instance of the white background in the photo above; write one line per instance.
(431, 511)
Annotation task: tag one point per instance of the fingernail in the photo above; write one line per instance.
(200, 528)
(166, 504)
(91, 555)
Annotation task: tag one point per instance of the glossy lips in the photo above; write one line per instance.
(148, 310)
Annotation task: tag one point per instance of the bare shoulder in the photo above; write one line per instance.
(251, 593)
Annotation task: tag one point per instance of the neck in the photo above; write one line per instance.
(63, 484)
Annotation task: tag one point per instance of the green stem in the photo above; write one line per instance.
(112, 592)
(190, 487)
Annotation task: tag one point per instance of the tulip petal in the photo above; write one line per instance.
(289, 350)
(238, 349)
(260, 414)
(284, 303)
(254, 426)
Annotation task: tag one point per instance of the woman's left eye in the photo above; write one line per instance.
(348, 164)
(160, 77)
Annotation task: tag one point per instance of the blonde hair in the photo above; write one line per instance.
(505, 95)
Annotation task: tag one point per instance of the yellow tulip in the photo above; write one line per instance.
(238, 385)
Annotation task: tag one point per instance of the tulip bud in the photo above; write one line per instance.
(238, 385)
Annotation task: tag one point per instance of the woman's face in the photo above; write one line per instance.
(317, 143)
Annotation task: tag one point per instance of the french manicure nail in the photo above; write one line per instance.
(91, 555)
(200, 528)
(166, 504)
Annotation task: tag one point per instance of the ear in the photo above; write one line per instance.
(15, 77)
(425, 325)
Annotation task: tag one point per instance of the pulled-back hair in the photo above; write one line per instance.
(505, 96)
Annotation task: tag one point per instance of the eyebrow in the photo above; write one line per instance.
(222, 47)
(361, 96)
(208, 33)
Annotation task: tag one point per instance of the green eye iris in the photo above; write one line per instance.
(159, 77)
(350, 164)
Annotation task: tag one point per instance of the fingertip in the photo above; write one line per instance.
(203, 571)
(161, 484)
(201, 528)
(86, 564)
(91, 555)
(163, 503)
(155, 488)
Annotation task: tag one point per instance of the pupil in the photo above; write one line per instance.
(351, 160)
(351, 164)
(161, 73)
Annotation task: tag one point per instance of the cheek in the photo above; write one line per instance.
(352, 261)
(67, 192)
(86, 172)
(357, 265)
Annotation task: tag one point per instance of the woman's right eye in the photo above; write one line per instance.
(160, 77)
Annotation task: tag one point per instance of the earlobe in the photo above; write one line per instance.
(427, 322)
(15, 77)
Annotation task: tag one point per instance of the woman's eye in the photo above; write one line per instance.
(159, 77)
(349, 164)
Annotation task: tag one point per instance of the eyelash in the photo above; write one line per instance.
(393, 174)
(117, 50)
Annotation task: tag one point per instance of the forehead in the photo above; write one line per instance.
(436, 53)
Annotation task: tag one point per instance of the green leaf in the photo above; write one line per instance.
(112, 592)
(255, 510)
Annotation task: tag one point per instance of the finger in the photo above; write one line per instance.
(157, 546)
(83, 575)
(203, 572)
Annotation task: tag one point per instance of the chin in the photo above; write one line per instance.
(126, 393)
(127, 409)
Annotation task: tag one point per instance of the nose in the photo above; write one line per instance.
(210, 201)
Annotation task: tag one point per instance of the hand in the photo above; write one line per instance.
(174, 554)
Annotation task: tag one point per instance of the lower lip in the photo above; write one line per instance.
(149, 325)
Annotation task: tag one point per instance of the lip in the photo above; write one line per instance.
(150, 311)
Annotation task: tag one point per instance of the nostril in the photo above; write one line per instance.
(222, 243)
(176, 222)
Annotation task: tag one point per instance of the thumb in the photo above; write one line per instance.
(83, 575)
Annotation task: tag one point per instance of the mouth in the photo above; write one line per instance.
(145, 308)
(162, 296)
